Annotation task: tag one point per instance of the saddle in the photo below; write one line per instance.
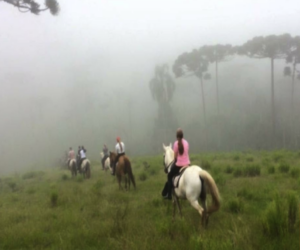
(176, 178)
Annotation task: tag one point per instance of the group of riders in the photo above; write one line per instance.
(181, 159)
(81, 155)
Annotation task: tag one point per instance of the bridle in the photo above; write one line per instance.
(166, 167)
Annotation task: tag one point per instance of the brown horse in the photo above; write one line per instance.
(123, 169)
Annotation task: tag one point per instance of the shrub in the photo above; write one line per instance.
(220, 180)
(12, 185)
(205, 165)
(152, 171)
(250, 159)
(229, 169)
(252, 170)
(292, 211)
(237, 172)
(143, 176)
(277, 157)
(245, 193)
(53, 198)
(235, 205)
(236, 158)
(32, 174)
(64, 177)
(79, 178)
(271, 169)
(96, 189)
(274, 222)
(284, 168)
(295, 172)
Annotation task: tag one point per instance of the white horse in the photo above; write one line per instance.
(190, 187)
(85, 168)
(73, 167)
(106, 163)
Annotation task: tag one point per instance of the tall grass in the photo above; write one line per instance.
(51, 210)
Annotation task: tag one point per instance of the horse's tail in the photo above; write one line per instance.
(88, 169)
(129, 171)
(213, 190)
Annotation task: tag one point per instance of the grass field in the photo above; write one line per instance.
(47, 209)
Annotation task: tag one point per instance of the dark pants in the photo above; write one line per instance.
(116, 161)
(174, 171)
(103, 160)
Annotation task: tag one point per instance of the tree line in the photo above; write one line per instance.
(200, 62)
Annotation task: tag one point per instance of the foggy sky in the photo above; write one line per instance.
(113, 46)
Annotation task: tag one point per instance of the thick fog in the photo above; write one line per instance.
(82, 77)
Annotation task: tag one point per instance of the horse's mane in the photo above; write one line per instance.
(113, 153)
(168, 148)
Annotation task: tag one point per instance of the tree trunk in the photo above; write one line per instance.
(294, 139)
(273, 100)
(217, 88)
(204, 112)
(218, 106)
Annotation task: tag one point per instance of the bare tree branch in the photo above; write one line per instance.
(32, 6)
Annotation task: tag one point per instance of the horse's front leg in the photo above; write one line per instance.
(177, 203)
(174, 209)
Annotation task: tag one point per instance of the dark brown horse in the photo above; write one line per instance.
(123, 169)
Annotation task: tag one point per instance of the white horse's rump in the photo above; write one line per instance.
(73, 167)
(106, 163)
(86, 168)
(190, 186)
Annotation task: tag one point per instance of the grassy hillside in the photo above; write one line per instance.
(48, 209)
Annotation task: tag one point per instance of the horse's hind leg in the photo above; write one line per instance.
(195, 204)
(203, 202)
(126, 182)
(119, 180)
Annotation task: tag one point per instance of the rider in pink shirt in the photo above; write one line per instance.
(71, 155)
(181, 159)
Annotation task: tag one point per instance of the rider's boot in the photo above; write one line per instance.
(168, 196)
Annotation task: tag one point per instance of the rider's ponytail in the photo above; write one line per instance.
(121, 146)
(179, 136)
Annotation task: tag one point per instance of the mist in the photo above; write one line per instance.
(82, 78)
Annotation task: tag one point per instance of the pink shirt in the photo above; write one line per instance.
(71, 154)
(184, 159)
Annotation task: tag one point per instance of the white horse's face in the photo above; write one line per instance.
(168, 156)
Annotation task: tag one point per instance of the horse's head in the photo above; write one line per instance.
(168, 157)
(112, 157)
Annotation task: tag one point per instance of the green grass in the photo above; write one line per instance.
(49, 209)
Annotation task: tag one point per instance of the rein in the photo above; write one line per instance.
(167, 166)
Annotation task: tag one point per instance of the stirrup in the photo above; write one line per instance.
(167, 197)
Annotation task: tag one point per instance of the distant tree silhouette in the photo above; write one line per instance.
(162, 87)
(34, 7)
(193, 63)
(293, 58)
(272, 47)
(216, 54)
